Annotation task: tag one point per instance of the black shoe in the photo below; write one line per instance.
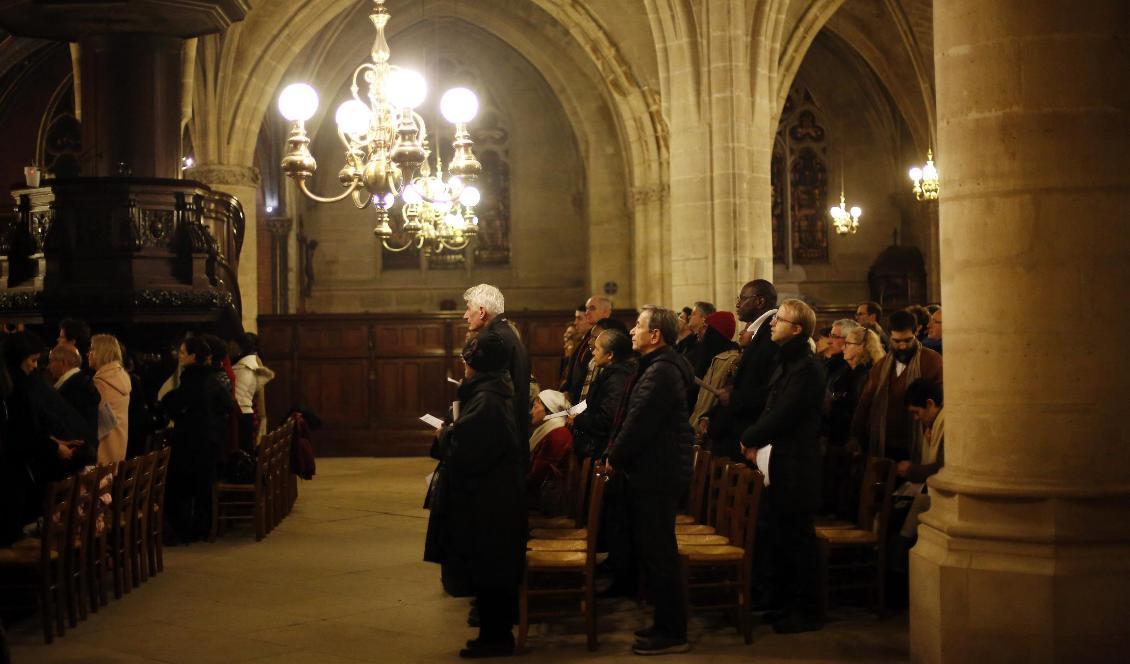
(481, 650)
(795, 624)
(645, 633)
(479, 643)
(660, 645)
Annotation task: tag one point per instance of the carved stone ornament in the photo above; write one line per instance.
(654, 194)
(223, 174)
(279, 226)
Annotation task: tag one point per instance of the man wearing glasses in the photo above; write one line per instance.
(882, 427)
(790, 422)
(741, 403)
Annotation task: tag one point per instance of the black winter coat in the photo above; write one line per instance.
(79, 391)
(519, 369)
(751, 390)
(844, 387)
(199, 408)
(791, 423)
(653, 444)
(477, 527)
(592, 428)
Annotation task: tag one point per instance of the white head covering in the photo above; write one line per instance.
(554, 402)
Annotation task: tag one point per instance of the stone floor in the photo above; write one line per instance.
(341, 580)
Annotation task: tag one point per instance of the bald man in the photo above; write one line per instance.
(76, 387)
(573, 378)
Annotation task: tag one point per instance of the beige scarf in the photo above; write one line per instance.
(878, 421)
(928, 453)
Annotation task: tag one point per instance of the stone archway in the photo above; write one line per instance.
(253, 58)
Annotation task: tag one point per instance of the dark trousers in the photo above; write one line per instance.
(189, 495)
(796, 557)
(616, 531)
(247, 432)
(653, 525)
(496, 607)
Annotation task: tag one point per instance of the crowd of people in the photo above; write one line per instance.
(764, 378)
(81, 403)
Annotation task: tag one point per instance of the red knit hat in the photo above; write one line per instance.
(723, 323)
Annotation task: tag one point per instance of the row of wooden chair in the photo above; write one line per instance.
(271, 494)
(103, 522)
(716, 539)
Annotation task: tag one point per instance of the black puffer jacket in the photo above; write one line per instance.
(477, 528)
(592, 428)
(652, 446)
(791, 423)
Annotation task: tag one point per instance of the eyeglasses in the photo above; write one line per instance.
(790, 322)
(854, 343)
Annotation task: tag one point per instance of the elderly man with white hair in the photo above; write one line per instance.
(484, 315)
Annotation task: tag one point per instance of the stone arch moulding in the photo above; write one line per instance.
(258, 52)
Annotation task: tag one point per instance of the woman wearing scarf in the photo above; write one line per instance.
(717, 370)
(550, 443)
(612, 354)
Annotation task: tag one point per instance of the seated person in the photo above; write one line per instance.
(924, 401)
(550, 445)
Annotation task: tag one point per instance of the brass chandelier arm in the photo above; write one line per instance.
(407, 245)
(354, 186)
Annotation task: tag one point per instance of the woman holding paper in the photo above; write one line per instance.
(550, 445)
(477, 528)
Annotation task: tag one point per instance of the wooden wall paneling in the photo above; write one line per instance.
(279, 392)
(334, 339)
(337, 390)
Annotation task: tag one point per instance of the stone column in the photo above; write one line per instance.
(243, 183)
(1025, 554)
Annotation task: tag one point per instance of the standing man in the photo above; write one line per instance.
(740, 404)
(934, 332)
(596, 308)
(77, 389)
(485, 309)
(882, 426)
(868, 315)
(791, 423)
(651, 449)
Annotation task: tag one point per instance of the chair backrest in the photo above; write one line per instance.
(695, 500)
(884, 498)
(57, 512)
(870, 493)
(144, 483)
(747, 503)
(596, 500)
(580, 491)
(727, 498)
(82, 507)
(160, 479)
(719, 469)
(103, 499)
(125, 487)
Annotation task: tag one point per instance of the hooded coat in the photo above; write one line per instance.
(114, 386)
(653, 444)
(477, 527)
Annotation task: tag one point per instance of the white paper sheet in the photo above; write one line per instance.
(454, 410)
(432, 421)
(454, 382)
(910, 489)
(763, 461)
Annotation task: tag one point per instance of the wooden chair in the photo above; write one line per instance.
(696, 495)
(577, 476)
(155, 540)
(290, 478)
(862, 549)
(101, 512)
(44, 557)
(572, 575)
(715, 496)
(124, 505)
(139, 529)
(724, 569)
(584, 489)
(234, 501)
(76, 585)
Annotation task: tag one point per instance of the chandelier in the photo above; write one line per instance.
(387, 153)
(925, 179)
(845, 220)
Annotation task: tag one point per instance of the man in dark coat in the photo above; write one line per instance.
(485, 309)
(477, 529)
(790, 422)
(740, 404)
(652, 448)
(77, 388)
(577, 371)
(199, 407)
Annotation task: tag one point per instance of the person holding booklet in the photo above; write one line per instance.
(612, 353)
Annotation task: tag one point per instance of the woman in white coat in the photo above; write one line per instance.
(112, 381)
(250, 377)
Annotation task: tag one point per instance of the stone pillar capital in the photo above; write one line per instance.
(279, 226)
(224, 174)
